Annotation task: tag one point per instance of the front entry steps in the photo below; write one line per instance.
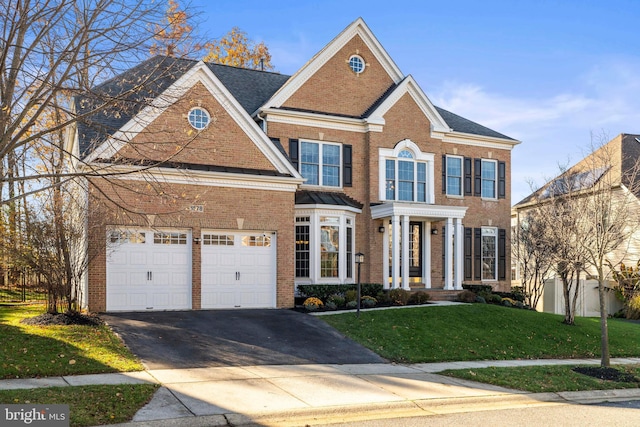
(436, 294)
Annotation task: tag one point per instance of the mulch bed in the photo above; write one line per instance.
(609, 374)
(63, 319)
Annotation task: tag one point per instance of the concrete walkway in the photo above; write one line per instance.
(295, 395)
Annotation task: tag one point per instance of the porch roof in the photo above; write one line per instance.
(420, 210)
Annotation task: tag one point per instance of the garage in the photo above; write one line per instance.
(148, 270)
(238, 269)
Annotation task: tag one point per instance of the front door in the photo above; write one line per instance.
(415, 249)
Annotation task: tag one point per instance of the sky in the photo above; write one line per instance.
(559, 76)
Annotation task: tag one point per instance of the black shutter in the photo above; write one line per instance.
(468, 251)
(477, 254)
(347, 166)
(468, 177)
(293, 153)
(444, 174)
(444, 251)
(477, 185)
(502, 254)
(502, 180)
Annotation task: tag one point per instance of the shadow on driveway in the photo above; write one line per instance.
(198, 339)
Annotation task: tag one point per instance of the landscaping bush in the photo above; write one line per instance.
(336, 299)
(324, 291)
(467, 296)
(351, 295)
(368, 302)
(480, 300)
(312, 304)
(352, 304)
(399, 296)
(419, 297)
(493, 299)
(383, 298)
(511, 295)
(507, 302)
(370, 289)
(330, 305)
(633, 308)
(478, 289)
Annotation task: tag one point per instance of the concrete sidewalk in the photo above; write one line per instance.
(304, 394)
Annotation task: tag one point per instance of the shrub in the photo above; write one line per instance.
(383, 297)
(480, 300)
(511, 295)
(350, 295)
(507, 302)
(370, 289)
(519, 293)
(419, 297)
(493, 299)
(399, 296)
(368, 302)
(322, 292)
(312, 304)
(352, 304)
(633, 308)
(519, 304)
(330, 305)
(478, 289)
(336, 299)
(467, 296)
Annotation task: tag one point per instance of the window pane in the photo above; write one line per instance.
(309, 162)
(329, 246)
(331, 176)
(454, 176)
(405, 171)
(405, 180)
(390, 174)
(422, 182)
(310, 173)
(331, 155)
(302, 251)
(405, 191)
(488, 179)
(405, 154)
(488, 257)
(349, 252)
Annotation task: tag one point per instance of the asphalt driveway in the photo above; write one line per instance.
(198, 339)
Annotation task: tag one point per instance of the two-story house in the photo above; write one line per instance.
(262, 181)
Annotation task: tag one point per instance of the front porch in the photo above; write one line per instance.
(409, 232)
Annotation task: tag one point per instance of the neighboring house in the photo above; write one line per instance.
(276, 181)
(615, 163)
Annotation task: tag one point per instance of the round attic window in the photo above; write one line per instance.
(199, 118)
(356, 64)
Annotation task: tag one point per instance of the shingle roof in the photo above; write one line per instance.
(460, 124)
(251, 88)
(305, 197)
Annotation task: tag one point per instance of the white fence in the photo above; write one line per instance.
(588, 304)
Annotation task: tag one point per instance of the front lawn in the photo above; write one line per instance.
(39, 351)
(542, 379)
(89, 405)
(482, 332)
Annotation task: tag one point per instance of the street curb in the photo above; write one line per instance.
(403, 409)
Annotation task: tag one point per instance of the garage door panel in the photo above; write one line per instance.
(144, 274)
(241, 274)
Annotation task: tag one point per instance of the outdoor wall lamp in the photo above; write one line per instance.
(197, 240)
(434, 231)
(381, 229)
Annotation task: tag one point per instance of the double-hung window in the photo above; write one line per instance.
(489, 179)
(454, 175)
(320, 163)
(489, 253)
(405, 178)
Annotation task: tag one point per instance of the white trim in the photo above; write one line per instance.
(454, 137)
(493, 232)
(446, 174)
(419, 157)
(210, 179)
(356, 28)
(323, 209)
(199, 73)
(303, 118)
(320, 164)
(495, 179)
(419, 210)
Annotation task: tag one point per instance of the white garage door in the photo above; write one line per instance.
(238, 270)
(148, 270)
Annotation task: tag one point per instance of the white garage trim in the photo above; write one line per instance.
(238, 269)
(148, 269)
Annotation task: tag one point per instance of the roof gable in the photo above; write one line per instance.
(357, 29)
(199, 73)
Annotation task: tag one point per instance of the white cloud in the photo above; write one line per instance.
(554, 129)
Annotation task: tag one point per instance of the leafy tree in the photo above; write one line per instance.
(236, 49)
(173, 37)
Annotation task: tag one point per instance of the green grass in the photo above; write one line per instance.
(88, 405)
(539, 379)
(482, 332)
(16, 295)
(34, 351)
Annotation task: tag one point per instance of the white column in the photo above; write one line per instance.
(448, 254)
(395, 251)
(426, 255)
(459, 256)
(405, 252)
(385, 255)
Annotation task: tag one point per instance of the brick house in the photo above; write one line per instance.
(262, 181)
